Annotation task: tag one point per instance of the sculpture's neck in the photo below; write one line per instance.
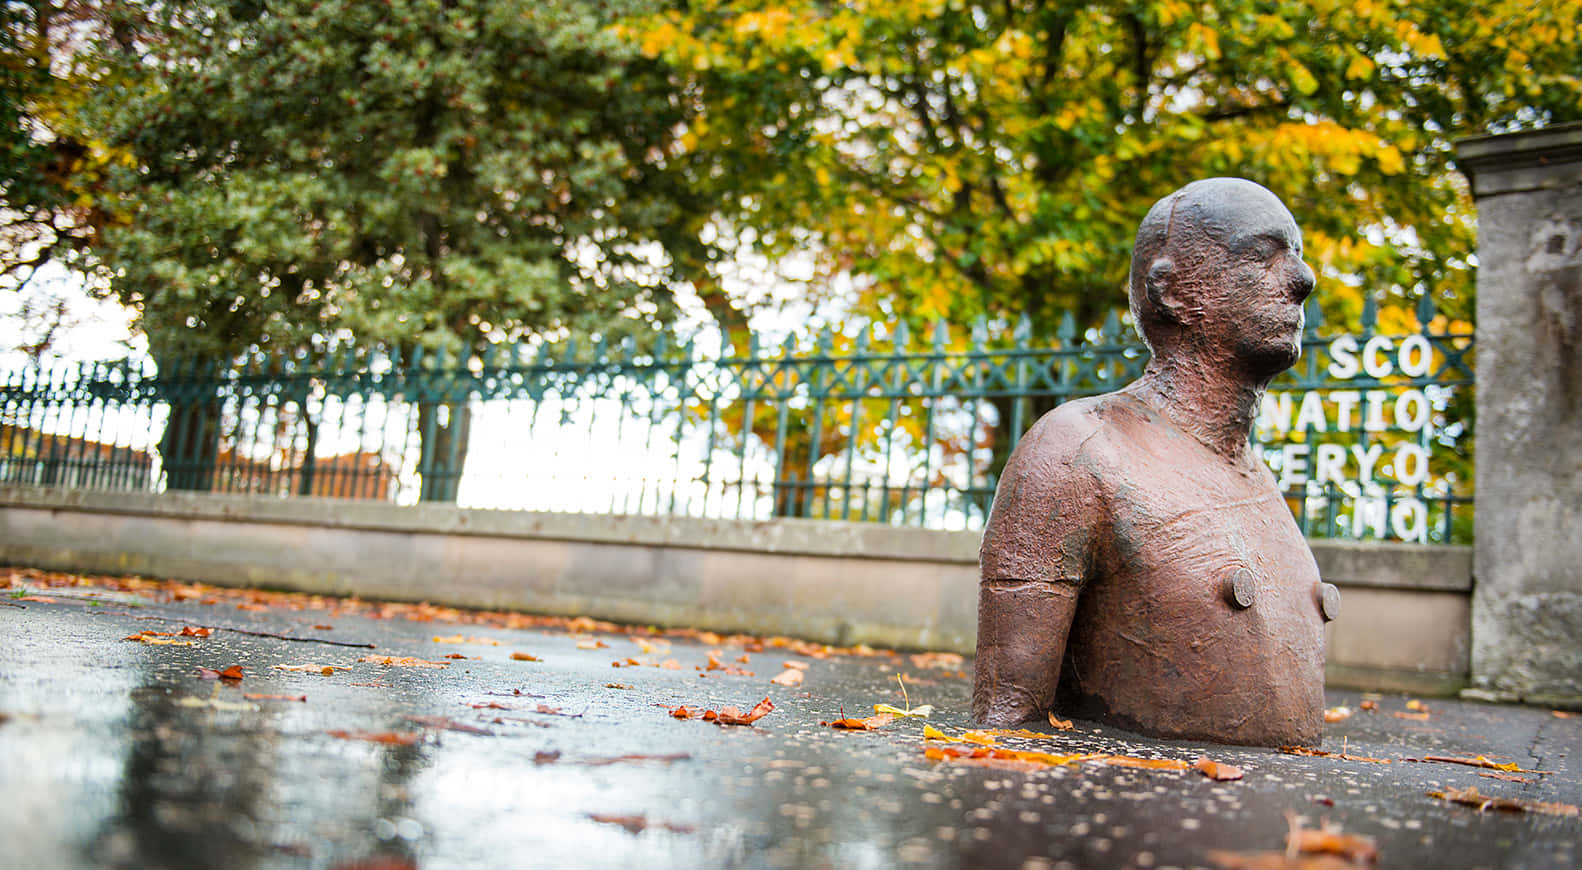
(1211, 401)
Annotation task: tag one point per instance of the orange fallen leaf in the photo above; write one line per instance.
(1477, 761)
(404, 662)
(1145, 763)
(455, 656)
(524, 657)
(1370, 706)
(389, 738)
(980, 737)
(234, 672)
(801, 666)
(1416, 717)
(189, 631)
(1417, 705)
(1019, 732)
(684, 712)
(325, 627)
(617, 686)
(1337, 714)
(1508, 777)
(941, 660)
(157, 638)
(1328, 840)
(1217, 771)
(326, 670)
(251, 697)
(458, 638)
(788, 677)
(445, 723)
(590, 643)
(1470, 796)
(1060, 724)
(670, 665)
(733, 716)
(1009, 759)
(636, 824)
(1320, 753)
(872, 723)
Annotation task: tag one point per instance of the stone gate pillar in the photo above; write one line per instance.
(1527, 562)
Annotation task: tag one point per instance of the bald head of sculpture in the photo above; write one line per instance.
(1217, 272)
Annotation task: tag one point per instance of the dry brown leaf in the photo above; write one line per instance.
(1563, 714)
(190, 631)
(1217, 771)
(793, 663)
(1415, 717)
(302, 698)
(524, 657)
(788, 677)
(637, 824)
(942, 660)
(1277, 861)
(1337, 714)
(684, 712)
(326, 670)
(1508, 777)
(1060, 724)
(617, 686)
(403, 662)
(1470, 796)
(1328, 840)
(590, 643)
(445, 723)
(1477, 761)
(389, 738)
(1320, 753)
(872, 723)
(158, 638)
(733, 716)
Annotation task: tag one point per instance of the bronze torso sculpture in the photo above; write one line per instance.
(1140, 565)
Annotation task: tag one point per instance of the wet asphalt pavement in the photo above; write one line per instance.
(119, 753)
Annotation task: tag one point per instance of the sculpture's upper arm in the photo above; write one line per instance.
(1048, 510)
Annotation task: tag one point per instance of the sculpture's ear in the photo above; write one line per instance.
(1163, 293)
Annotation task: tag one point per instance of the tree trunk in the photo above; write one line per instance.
(443, 431)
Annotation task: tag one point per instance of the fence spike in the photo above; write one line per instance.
(1023, 333)
(826, 341)
(941, 334)
(1425, 311)
(1068, 329)
(860, 345)
(980, 332)
(1370, 312)
(1111, 330)
(903, 337)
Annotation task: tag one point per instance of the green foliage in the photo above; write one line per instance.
(408, 171)
(968, 158)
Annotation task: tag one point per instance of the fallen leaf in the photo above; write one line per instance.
(788, 677)
(542, 757)
(403, 662)
(932, 733)
(455, 656)
(1416, 717)
(389, 738)
(1328, 840)
(1061, 724)
(636, 757)
(1018, 732)
(325, 627)
(464, 639)
(1476, 761)
(910, 711)
(1563, 714)
(590, 643)
(157, 638)
(234, 672)
(1417, 705)
(980, 737)
(1337, 714)
(1370, 706)
(1145, 763)
(1508, 777)
(1010, 759)
(616, 686)
(636, 824)
(1320, 753)
(1217, 771)
(524, 657)
(326, 670)
(872, 723)
(801, 666)
(445, 723)
(733, 716)
(669, 665)
(250, 697)
(189, 631)
(941, 660)
(1470, 796)
(684, 712)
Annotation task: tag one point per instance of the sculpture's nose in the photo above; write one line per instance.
(1302, 283)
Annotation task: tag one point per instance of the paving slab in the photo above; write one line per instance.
(531, 749)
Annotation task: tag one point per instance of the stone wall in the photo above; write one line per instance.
(1403, 625)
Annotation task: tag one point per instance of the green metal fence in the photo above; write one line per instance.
(869, 425)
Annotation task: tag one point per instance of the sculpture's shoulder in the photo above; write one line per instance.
(1051, 505)
(1085, 436)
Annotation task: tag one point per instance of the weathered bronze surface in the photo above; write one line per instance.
(1140, 565)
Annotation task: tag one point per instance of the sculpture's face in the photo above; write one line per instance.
(1259, 283)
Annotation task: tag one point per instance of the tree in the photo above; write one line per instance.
(53, 166)
(968, 158)
(416, 173)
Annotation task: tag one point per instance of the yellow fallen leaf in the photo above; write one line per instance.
(918, 712)
(932, 733)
